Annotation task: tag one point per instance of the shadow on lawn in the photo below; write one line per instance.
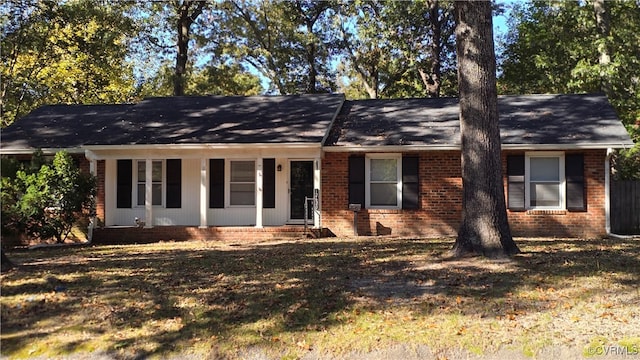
(263, 291)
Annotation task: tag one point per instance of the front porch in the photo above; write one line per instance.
(137, 235)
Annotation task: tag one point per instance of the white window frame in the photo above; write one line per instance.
(562, 180)
(228, 183)
(136, 182)
(367, 170)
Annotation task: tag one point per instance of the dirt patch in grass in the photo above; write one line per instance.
(322, 299)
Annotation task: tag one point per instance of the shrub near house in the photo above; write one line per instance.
(44, 201)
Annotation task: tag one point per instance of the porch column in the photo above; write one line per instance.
(259, 182)
(93, 170)
(148, 194)
(93, 167)
(316, 186)
(203, 193)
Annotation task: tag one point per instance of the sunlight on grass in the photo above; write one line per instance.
(334, 297)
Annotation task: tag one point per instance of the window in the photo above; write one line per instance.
(545, 181)
(157, 177)
(242, 183)
(383, 181)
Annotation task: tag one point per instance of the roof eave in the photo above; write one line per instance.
(45, 151)
(449, 147)
(207, 146)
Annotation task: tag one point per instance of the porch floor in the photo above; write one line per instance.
(136, 235)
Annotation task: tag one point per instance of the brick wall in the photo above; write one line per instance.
(134, 235)
(562, 223)
(441, 202)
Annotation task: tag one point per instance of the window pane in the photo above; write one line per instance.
(545, 169)
(384, 170)
(242, 171)
(142, 168)
(156, 171)
(141, 194)
(545, 194)
(384, 194)
(156, 198)
(242, 194)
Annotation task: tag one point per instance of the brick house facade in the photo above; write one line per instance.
(440, 199)
(227, 168)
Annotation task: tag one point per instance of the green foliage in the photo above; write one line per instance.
(63, 52)
(626, 164)
(555, 47)
(45, 203)
(225, 80)
(397, 49)
(288, 42)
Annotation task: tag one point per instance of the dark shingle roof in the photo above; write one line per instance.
(178, 120)
(65, 126)
(524, 120)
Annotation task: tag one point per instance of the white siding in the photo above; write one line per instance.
(114, 216)
(189, 213)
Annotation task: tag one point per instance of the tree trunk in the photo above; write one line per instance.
(184, 21)
(484, 229)
(432, 80)
(603, 24)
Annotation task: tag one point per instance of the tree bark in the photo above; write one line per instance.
(432, 80)
(186, 17)
(603, 24)
(484, 229)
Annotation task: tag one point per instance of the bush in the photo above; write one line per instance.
(44, 202)
(626, 164)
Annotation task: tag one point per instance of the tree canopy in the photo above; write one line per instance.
(92, 51)
(557, 47)
(63, 52)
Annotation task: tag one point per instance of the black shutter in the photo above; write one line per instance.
(125, 183)
(216, 183)
(174, 183)
(356, 180)
(269, 183)
(410, 183)
(574, 175)
(515, 186)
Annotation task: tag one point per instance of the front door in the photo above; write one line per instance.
(301, 183)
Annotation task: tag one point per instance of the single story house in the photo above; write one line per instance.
(213, 167)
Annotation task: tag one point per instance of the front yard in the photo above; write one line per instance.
(331, 298)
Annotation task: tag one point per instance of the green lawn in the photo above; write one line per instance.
(331, 297)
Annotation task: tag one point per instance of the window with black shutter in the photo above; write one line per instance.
(269, 183)
(574, 175)
(516, 182)
(124, 183)
(216, 183)
(174, 183)
(356, 180)
(410, 183)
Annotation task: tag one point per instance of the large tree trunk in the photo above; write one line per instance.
(432, 80)
(603, 24)
(484, 229)
(185, 18)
